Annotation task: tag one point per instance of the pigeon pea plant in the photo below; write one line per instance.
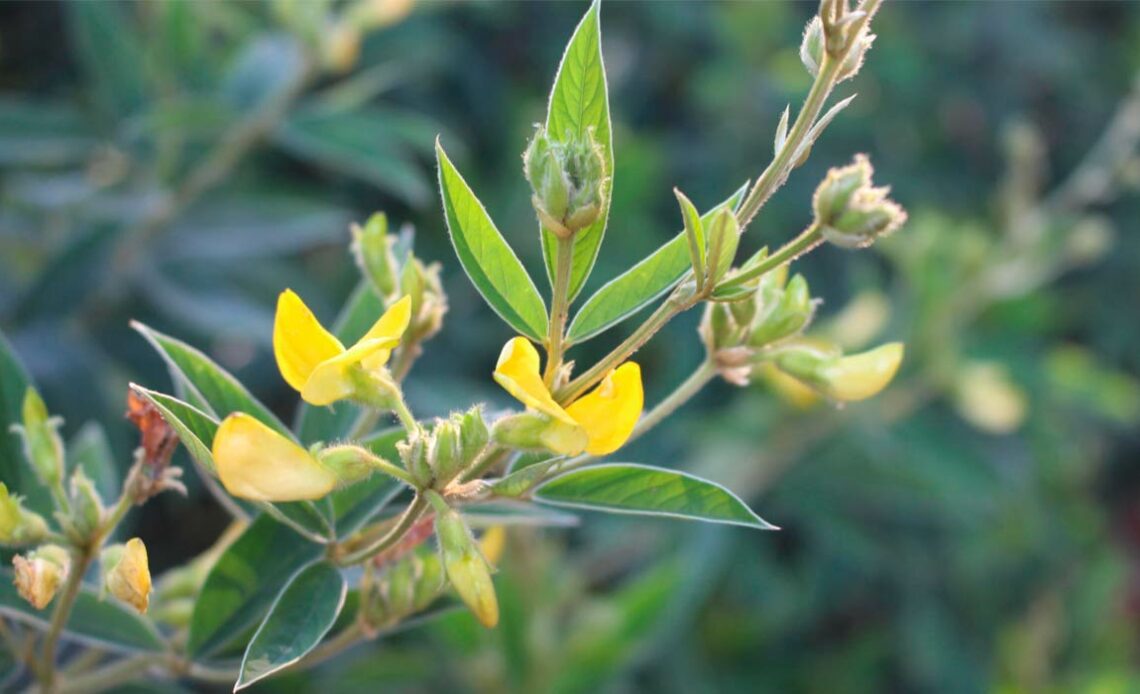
(332, 516)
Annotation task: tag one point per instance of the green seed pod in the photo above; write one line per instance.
(372, 249)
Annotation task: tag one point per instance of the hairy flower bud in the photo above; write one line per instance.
(40, 573)
(782, 312)
(42, 445)
(851, 212)
(18, 525)
(429, 302)
(86, 505)
(445, 455)
(473, 433)
(372, 250)
(126, 573)
(414, 454)
(465, 566)
(568, 179)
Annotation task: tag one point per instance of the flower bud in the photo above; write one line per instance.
(429, 302)
(465, 566)
(126, 573)
(350, 463)
(372, 249)
(40, 573)
(833, 32)
(18, 525)
(414, 454)
(534, 431)
(42, 445)
(724, 237)
(811, 47)
(849, 211)
(86, 505)
(568, 180)
(473, 433)
(445, 455)
(843, 378)
(785, 312)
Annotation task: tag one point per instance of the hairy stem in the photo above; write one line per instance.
(559, 306)
(108, 677)
(692, 385)
(59, 618)
(807, 240)
(389, 538)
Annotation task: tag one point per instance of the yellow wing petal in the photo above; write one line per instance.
(609, 412)
(517, 372)
(255, 462)
(863, 375)
(299, 341)
(389, 328)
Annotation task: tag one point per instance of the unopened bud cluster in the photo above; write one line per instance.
(833, 32)
(850, 211)
(568, 179)
(437, 457)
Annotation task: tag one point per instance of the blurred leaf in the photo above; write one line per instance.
(302, 615)
(357, 144)
(634, 289)
(111, 53)
(99, 623)
(651, 491)
(15, 471)
(243, 584)
(41, 134)
(580, 102)
(216, 309)
(266, 69)
(66, 280)
(493, 267)
(90, 451)
(332, 423)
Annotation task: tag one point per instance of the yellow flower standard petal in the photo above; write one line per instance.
(315, 363)
(129, 579)
(255, 462)
(518, 372)
(609, 412)
(300, 344)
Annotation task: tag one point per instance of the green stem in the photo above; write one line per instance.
(389, 538)
(109, 676)
(404, 414)
(59, 618)
(492, 455)
(807, 240)
(387, 468)
(559, 307)
(681, 395)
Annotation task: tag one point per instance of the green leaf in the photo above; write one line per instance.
(244, 582)
(331, 423)
(493, 267)
(303, 613)
(651, 491)
(105, 623)
(580, 101)
(110, 51)
(91, 451)
(15, 470)
(196, 431)
(205, 384)
(357, 504)
(637, 287)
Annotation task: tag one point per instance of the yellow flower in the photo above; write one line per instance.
(315, 363)
(255, 462)
(606, 415)
(127, 575)
(861, 376)
(40, 574)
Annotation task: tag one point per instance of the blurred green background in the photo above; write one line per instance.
(976, 528)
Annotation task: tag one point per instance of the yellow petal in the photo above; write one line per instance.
(331, 380)
(129, 581)
(861, 376)
(517, 372)
(388, 329)
(299, 341)
(255, 462)
(609, 412)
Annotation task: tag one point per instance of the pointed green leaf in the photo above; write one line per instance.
(580, 101)
(493, 267)
(244, 582)
(99, 623)
(651, 491)
(207, 385)
(15, 471)
(332, 423)
(637, 287)
(695, 233)
(301, 616)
